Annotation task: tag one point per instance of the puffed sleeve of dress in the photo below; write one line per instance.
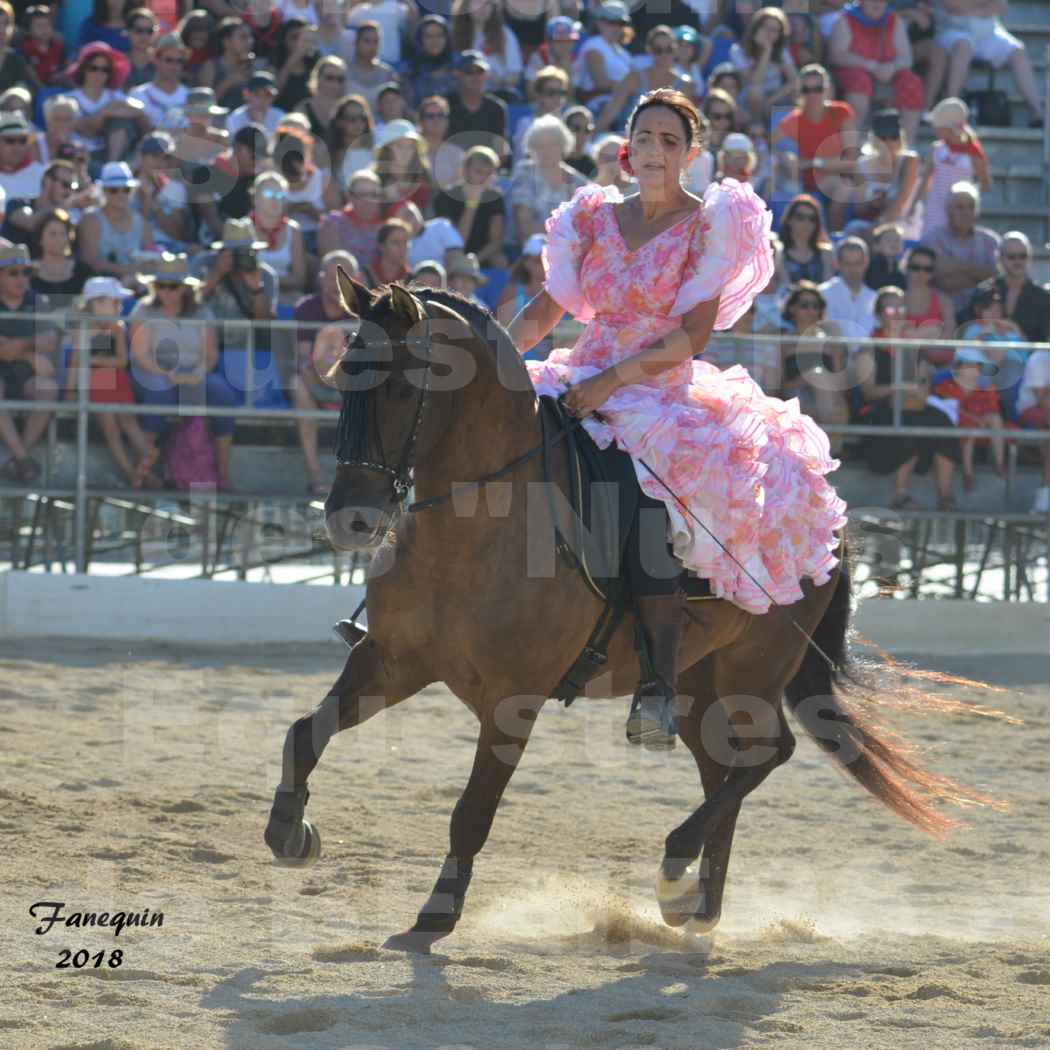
(569, 238)
(730, 254)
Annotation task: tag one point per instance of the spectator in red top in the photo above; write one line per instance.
(870, 45)
(44, 52)
(264, 20)
(816, 128)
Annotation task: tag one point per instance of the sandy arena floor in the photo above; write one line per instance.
(141, 778)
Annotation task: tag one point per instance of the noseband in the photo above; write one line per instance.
(352, 439)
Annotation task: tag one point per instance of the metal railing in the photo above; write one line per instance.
(83, 409)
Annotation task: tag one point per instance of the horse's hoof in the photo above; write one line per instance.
(310, 851)
(292, 839)
(701, 925)
(681, 898)
(413, 941)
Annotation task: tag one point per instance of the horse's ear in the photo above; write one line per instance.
(405, 305)
(357, 299)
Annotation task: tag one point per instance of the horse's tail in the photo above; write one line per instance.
(869, 753)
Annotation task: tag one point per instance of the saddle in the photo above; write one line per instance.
(604, 498)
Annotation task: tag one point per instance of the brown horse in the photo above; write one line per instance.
(435, 394)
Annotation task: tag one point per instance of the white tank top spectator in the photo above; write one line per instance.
(350, 139)
(603, 61)
(166, 91)
(285, 249)
(311, 190)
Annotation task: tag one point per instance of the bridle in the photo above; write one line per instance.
(353, 429)
(353, 425)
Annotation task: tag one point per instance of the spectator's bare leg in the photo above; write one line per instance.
(902, 479)
(308, 433)
(223, 449)
(115, 443)
(958, 67)
(10, 436)
(994, 421)
(831, 408)
(117, 142)
(861, 104)
(1024, 78)
(39, 388)
(931, 55)
(969, 481)
(910, 119)
(141, 442)
(943, 471)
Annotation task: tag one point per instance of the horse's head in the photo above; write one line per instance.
(385, 378)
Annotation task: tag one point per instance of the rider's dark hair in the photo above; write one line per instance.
(673, 100)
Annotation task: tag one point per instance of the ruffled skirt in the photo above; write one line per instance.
(750, 467)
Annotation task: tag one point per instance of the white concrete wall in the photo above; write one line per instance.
(196, 611)
(201, 611)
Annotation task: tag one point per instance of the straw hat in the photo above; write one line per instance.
(239, 233)
(174, 269)
(14, 123)
(467, 265)
(202, 100)
(14, 255)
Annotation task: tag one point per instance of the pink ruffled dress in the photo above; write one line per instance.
(750, 467)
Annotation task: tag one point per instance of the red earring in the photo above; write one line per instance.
(625, 160)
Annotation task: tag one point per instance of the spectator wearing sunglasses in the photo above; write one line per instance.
(1025, 303)
(58, 189)
(811, 361)
(20, 175)
(328, 85)
(929, 312)
(166, 91)
(580, 123)
(813, 134)
(806, 249)
(661, 73)
(548, 93)
(284, 250)
(850, 302)
(111, 236)
(108, 118)
(142, 28)
(27, 361)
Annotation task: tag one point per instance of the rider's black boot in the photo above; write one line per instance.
(651, 722)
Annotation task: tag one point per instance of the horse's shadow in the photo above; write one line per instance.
(665, 1000)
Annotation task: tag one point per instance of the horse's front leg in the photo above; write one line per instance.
(504, 732)
(368, 684)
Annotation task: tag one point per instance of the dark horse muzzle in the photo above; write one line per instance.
(352, 525)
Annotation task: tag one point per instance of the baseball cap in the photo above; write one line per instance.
(563, 28)
(157, 142)
(262, 78)
(613, 11)
(469, 59)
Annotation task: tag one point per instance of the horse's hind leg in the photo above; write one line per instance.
(504, 732)
(367, 685)
(729, 774)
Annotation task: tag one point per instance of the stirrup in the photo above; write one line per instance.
(651, 721)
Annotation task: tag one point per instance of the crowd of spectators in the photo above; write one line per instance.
(184, 178)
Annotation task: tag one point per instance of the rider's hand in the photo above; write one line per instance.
(587, 397)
